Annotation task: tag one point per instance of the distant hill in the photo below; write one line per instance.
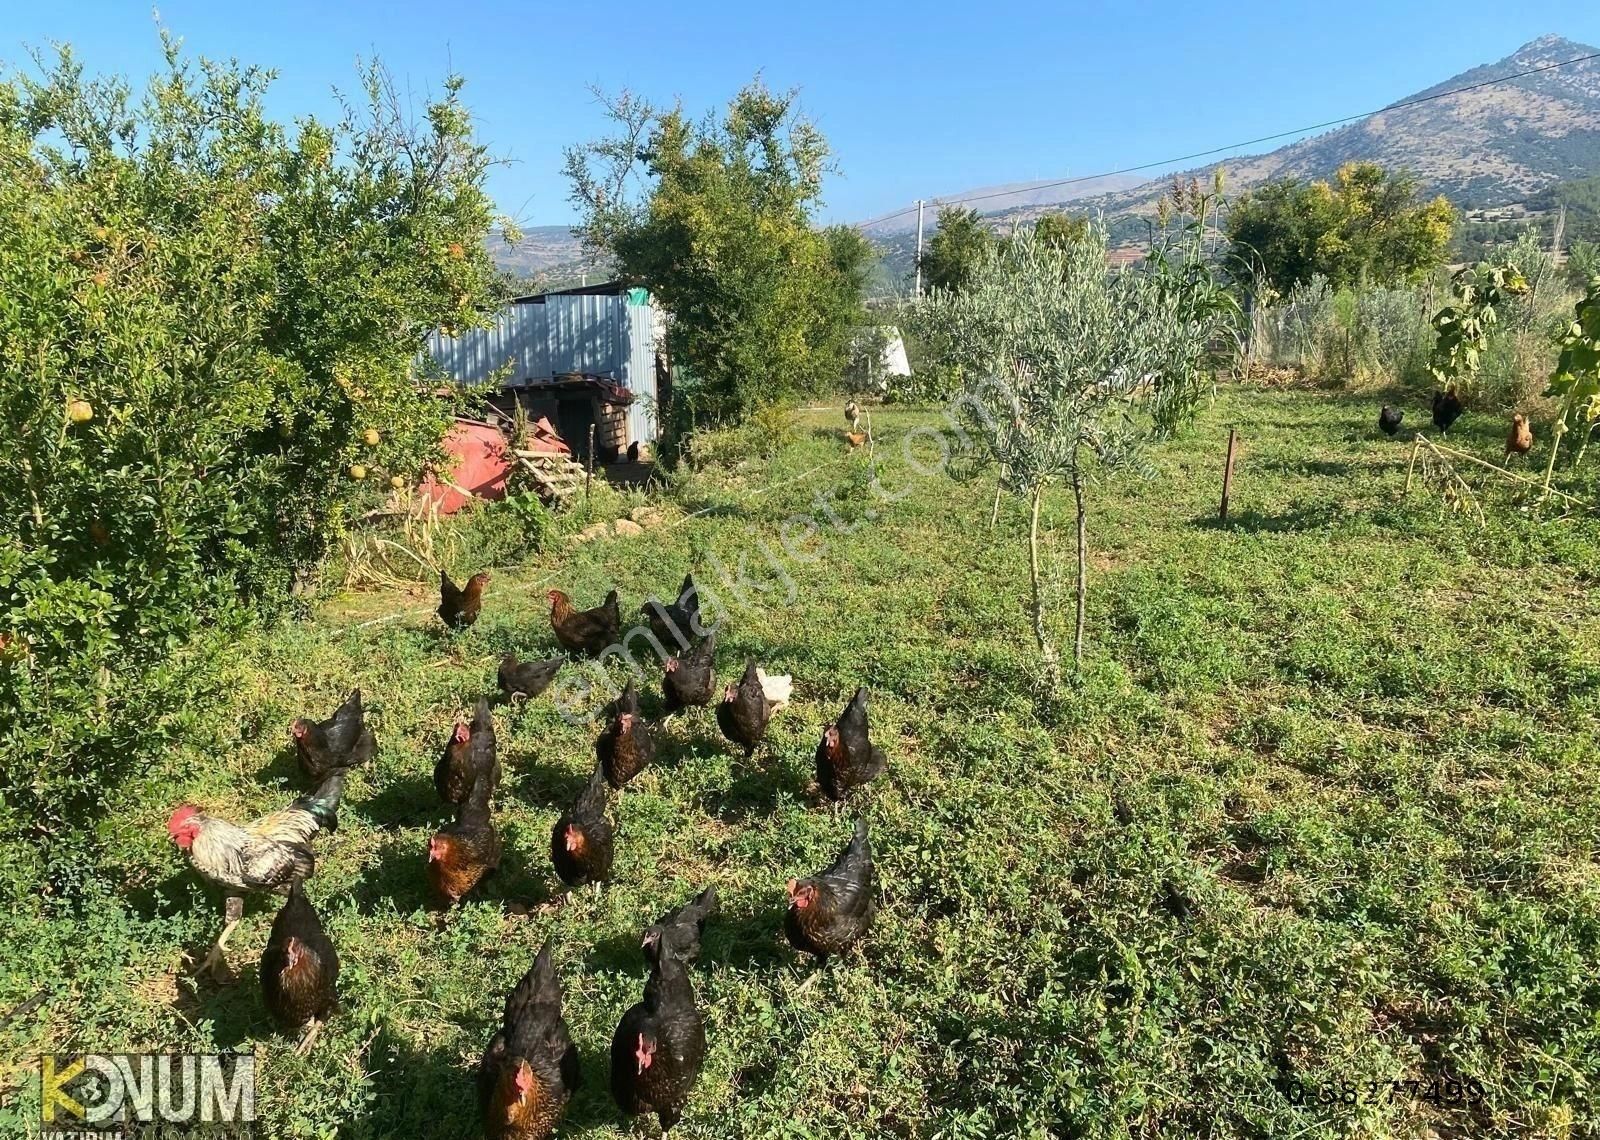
(1485, 148)
(1479, 148)
(1000, 199)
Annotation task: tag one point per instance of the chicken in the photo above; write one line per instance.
(1519, 441)
(581, 840)
(627, 745)
(586, 631)
(269, 854)
(660, 1044)
(830, 912)
(530, 1069)
(676, 626)
(1446, 409)
(691, 917)
(299, 968)
(459, 606)
(690, 678)
(341, 741)
(633, 452)
(1389, 419)
(846, 756)
(852, 413)
(748, 706)
(469, 753)
(527, 678)
(461, 854)
(855, 438)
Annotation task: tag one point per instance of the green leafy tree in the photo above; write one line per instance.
(1072, 371)
(1366, 225)
(1062, 229)
(714, 217)
(1463, 328)
(1576, 381)
(208, 323)
(956, 248)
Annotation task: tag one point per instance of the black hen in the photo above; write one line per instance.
(829, 912)
(744, 712)
(846, 756)
(676, 626)
(1389, 419)
(627, 745)
(1446, 410)
(527, 678)
(660, 1044)
(581, 840)
(341, 741)
(469, 753)
(686, 924)
(300, 967)
(530, 1069)
(691, 679)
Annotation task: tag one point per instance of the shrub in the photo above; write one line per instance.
(206, 329)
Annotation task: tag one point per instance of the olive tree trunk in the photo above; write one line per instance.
(1083, 565)
(1047, 649)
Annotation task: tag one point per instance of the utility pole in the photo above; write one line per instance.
(919, 249)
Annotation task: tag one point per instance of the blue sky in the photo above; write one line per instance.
(916, 99)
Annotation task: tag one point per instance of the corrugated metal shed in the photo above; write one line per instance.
(535, 339)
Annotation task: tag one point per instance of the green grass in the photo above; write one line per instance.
(1359, 734)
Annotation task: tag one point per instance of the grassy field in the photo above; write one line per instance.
(1359, 735)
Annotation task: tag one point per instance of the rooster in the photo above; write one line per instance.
(581, 840)
(687, 924)
(341, 741)
(590, 632)
(852, 413)
(526, 678)
(689, 678)
(270, 854)
(627, 745)
(461, 854)
(748, 706)
(469, 753)
(299, 969)
(660, 1044)
(459, 605)
(846, 756)
(1519, 441)
(831, 911)
(1389, 420)
(676, 625)
(530, 1069)
(1446, 409)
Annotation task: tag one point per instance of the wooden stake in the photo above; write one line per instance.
(1227, 476)
(1411, 468)
(589, 471)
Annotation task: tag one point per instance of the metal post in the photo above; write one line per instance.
(919, 249)
(1227, 476)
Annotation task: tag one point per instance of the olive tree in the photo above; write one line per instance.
(1073, 370)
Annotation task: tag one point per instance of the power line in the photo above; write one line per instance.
(1252, 142)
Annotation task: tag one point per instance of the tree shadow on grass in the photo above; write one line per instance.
(418, 1091)
(397, 877)
(759, 786)
(1302, 517)
(408, 802)
(538, 781)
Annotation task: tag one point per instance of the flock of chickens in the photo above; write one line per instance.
(1447, 410)
(530, 1068)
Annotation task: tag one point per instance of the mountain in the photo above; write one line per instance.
(1483, 147)
(1001, 199)
(550, 256)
